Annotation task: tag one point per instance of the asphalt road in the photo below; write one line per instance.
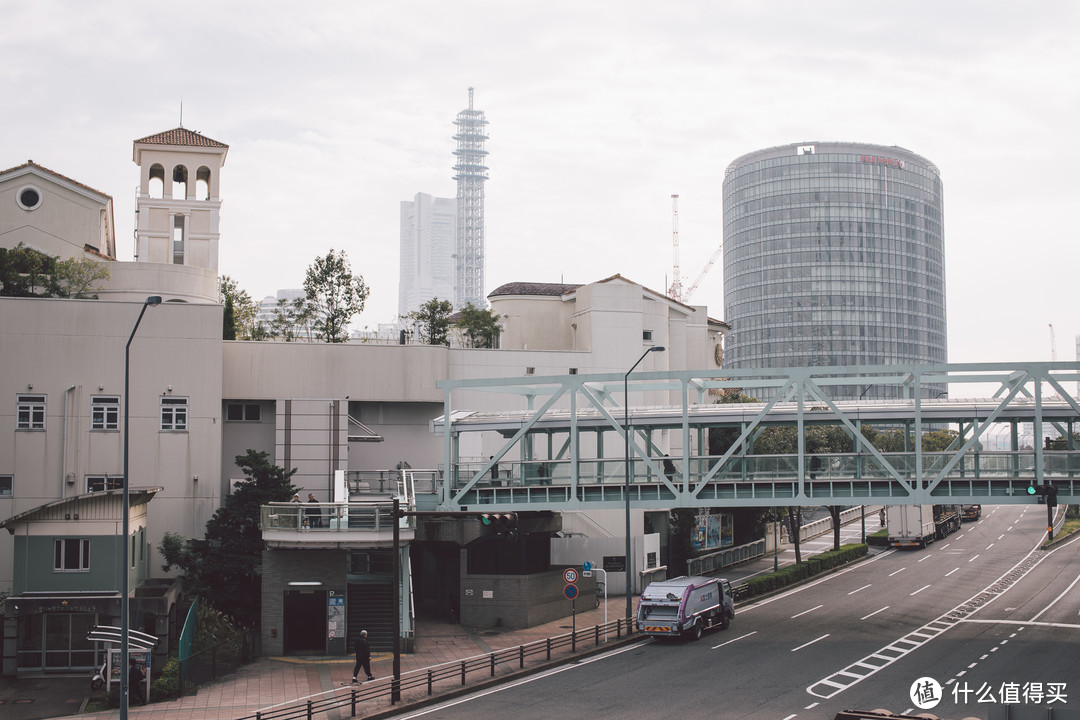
(984, 614)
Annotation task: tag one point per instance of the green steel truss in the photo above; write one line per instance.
(558, 445)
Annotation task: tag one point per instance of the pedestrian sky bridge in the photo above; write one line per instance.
(560, 442)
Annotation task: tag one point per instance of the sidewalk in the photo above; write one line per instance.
(273, 680)
(286, 680)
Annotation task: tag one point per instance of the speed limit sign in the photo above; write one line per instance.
(570, 575)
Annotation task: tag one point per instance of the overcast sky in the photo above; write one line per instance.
(334, 112)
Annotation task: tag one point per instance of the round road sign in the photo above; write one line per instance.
(570, 591)
(570, 575)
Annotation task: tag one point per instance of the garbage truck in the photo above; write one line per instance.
(686, 606)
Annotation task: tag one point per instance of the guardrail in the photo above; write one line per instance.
(427, 682)
(714, 562)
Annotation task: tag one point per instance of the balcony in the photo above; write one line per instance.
(352, 525)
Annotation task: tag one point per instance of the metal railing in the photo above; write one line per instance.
(328, 517)
(216, 662)
(427, 682)
(714, 562)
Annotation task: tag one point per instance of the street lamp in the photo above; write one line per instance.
(152, 301)
(626, 490)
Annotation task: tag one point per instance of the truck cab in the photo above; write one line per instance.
(685, 606)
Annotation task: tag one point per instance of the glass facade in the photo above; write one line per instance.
(833, 255)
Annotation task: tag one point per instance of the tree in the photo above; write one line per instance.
(290, 319)
(228, 320)
(432, 321)
(480, 326)
(334, 296)
(25, 272)
(223, 568)
(79, 278)
(244, 308)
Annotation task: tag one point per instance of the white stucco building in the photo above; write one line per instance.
(196, 401)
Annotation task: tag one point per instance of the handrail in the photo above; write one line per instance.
(426, 682)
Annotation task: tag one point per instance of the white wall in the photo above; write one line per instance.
(53, 345)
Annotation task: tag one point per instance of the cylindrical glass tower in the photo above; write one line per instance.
(833, 255)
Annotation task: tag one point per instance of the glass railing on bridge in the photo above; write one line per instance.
(328, 517)
(771, 468)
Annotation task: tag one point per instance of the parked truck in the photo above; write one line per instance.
(685, 606)
(919, 525)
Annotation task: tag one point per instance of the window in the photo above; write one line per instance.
(31, 413)
(178, 236)
(28, 197)
(71, 555)
(242, 412)
(104, 412)
(530, 370)
(7, 485)
(174, 413)
(98, 483)
(573, 371)
(646, 335)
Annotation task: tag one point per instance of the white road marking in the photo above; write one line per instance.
(874, 613)
(753, 632)
(806, 611)
(810, 643)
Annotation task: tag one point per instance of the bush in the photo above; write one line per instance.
(167, 685)
(878, 539)
(793, 574)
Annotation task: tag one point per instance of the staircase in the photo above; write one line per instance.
(371, 607)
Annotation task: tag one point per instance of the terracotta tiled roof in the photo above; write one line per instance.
(31, 163)
(527, 288)
(183, 137)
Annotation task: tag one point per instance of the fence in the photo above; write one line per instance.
(419, 684)
(215, 662)
(714, 562)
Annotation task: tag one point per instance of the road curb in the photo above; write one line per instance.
(404, 707)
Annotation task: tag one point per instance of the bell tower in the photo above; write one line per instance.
(179, 199)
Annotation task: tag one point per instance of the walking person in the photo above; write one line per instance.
(363, 657)
(136, 679)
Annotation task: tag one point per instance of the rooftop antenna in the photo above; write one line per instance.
(470, 98)
(181, 113)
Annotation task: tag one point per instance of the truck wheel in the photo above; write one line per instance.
(695, 632)
(725, 622)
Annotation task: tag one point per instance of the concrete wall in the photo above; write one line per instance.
(282, 566)
(68, 218)
(70, 350)
(520, 601)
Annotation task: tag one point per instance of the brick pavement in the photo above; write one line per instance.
(274, 681)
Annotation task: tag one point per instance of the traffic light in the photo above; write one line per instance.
(1046, 493)
(504, 524)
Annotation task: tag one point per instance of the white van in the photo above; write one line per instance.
(686, 606)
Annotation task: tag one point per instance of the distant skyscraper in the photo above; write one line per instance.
(428, 228)
(471, 174)
(834, 255)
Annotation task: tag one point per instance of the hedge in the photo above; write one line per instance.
(814, 565)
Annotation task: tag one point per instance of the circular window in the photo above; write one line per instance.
(29, 198)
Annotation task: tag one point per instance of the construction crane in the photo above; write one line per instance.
(693, 286)
(675, 291)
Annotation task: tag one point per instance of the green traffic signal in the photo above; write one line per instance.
(1031, 489)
